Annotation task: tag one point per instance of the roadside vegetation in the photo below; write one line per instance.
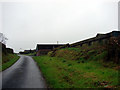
(31, 54)
(94, 66)
(62, 73)
(79, 68)
(8, 60)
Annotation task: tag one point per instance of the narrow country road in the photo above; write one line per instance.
(23, 74)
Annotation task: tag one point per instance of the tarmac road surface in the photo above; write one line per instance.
(23, 74)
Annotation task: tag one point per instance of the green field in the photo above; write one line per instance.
(8, 60)
(60, 72)
(30, 54)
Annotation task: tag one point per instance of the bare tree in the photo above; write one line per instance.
(3, 38)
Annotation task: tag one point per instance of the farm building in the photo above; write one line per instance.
(43, 49)
(100, 39)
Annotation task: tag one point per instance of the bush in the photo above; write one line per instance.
(51, 53)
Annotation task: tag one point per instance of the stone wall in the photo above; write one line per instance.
(43, 52)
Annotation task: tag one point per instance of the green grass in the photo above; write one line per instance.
(62, 73)
(30, 54)
(9, 60)
(73, 49)
(79, 67)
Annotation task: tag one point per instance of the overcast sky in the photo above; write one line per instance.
(28, 22)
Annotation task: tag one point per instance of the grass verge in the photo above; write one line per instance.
(10, 60)
(61, 73)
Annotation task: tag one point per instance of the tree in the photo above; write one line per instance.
(3, 38)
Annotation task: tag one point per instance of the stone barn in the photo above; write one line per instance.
(43, 49)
